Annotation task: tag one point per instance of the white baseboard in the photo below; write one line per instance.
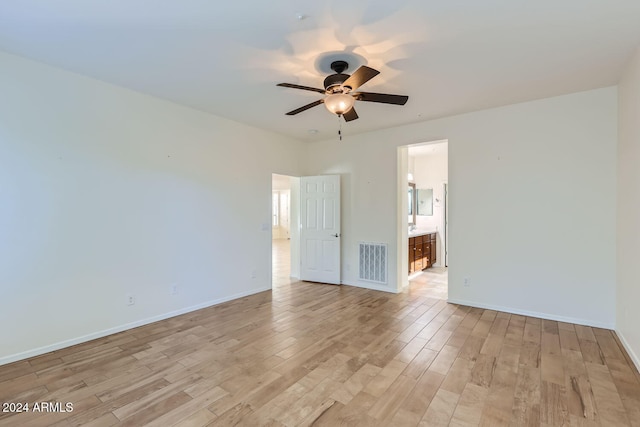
(537, 314)
(373, 287)
(634, 357)
(100, 334)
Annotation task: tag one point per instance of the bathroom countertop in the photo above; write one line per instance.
(416, 233)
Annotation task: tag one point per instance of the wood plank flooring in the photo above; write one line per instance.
(311, 354)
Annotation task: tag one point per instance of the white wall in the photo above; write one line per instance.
(410, 164)
(628, 247)
(532, 203)
(431, 172)
(106, 192)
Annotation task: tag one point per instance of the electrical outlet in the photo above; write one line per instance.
(174, 289)
(131, 300)
(254, 274)
(467, 282)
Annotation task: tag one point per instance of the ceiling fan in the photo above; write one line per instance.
(339, 90)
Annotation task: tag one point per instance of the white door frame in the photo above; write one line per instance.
(445, 225)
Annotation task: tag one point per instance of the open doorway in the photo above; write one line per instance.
(427, 234)
(285, 250)
(280, 228)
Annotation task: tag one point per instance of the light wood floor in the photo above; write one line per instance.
(336, 355)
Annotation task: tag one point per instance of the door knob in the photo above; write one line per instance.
(336, 235)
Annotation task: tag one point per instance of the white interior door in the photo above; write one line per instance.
(320, 228)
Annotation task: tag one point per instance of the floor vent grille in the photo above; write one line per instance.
(373, 262)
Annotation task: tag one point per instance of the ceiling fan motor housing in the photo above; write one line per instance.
(333, 83)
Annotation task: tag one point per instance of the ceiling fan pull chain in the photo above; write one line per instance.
(339, 127)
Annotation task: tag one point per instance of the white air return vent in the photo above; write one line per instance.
(373, 262)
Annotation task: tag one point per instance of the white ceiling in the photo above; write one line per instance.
(226, 57)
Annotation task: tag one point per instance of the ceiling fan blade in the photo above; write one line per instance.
(313, 89)
(350, 115)
(360, 77)
(306, 107)
(383, 98)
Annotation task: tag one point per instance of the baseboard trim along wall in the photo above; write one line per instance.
(372, 287)
(79, 340)
(545, 316)
(634, 357)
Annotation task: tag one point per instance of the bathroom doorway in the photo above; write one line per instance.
(427, 226)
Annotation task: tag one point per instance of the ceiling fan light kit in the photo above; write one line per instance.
(339, 103)
(338, 90)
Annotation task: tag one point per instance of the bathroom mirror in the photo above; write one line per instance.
(412, 204)
(424, 201)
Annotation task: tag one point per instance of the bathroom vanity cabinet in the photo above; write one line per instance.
(422, 252)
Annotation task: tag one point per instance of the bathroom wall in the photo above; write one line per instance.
(430, 167)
